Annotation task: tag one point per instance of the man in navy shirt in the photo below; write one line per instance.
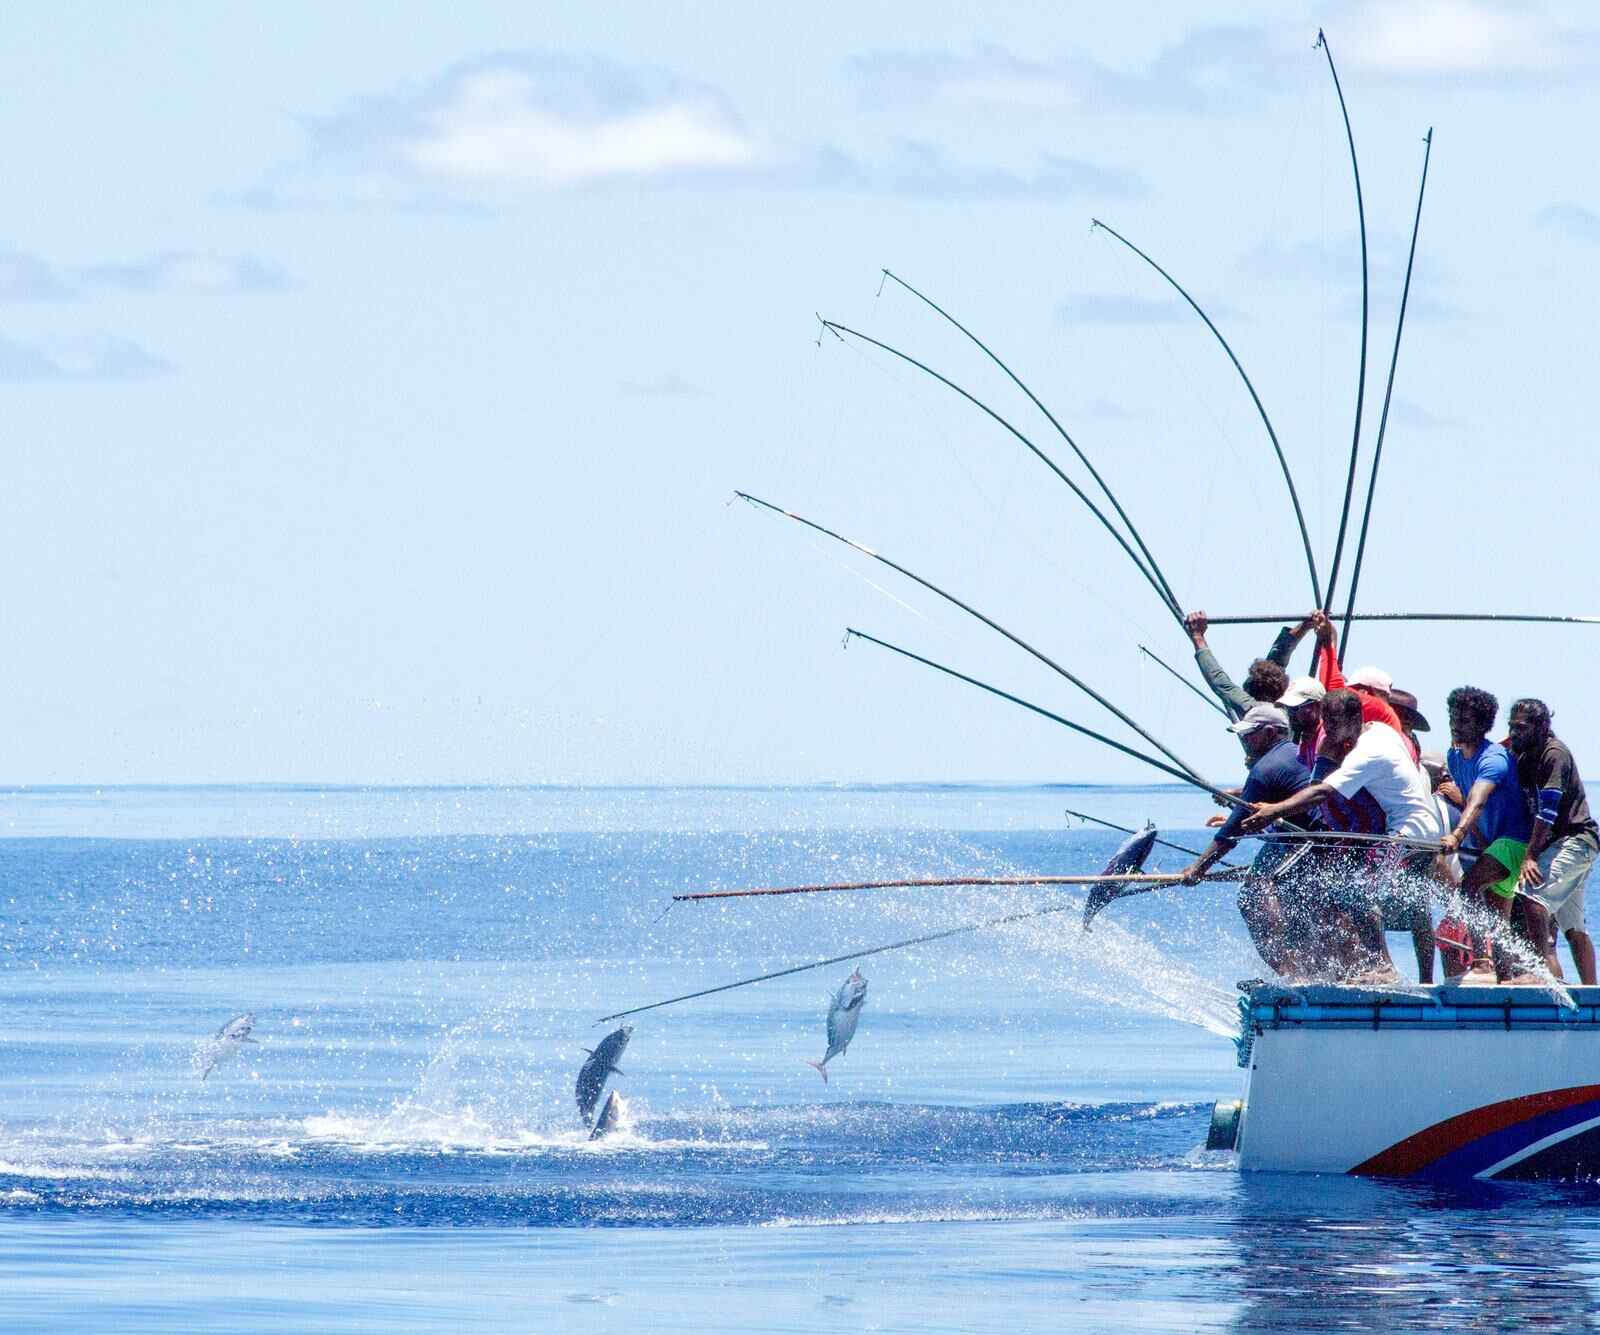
(1276, 772)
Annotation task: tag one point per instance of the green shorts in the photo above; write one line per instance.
(1508, 853)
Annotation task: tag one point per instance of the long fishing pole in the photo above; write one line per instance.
(841, 959)
(1383, 419)
(1037, 709)
(1361, 374)
(937, 882)
(992, 624)
(1277, 833)
(1123, 829)
(1182, 680)
(1272, 435)
(1165, 595)
(1061, 431)
(1264, 620)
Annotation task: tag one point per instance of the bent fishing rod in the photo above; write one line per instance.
(1276, 834)
(988, 621)
(1272, 435)
(1061, 431)
(1167, 600)
(1361, 372)
(1383, 419)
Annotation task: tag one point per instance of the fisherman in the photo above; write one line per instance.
(1303, 702)
(1412, 719)
(1265, 679)
(1276, 772)
(1374, 757)
(1494, 822)
(1564, 841)
(1371, 684)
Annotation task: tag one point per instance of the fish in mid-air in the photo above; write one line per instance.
(610, 1118)
(227, 1040)
(844, 1013)
(1131, 855)
(602, 1064)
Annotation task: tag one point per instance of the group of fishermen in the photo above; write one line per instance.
(1372, 831)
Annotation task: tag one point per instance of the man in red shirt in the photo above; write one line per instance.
(1371, 685)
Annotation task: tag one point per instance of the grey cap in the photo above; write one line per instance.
(1261, 716)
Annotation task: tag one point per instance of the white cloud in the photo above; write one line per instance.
(492, 130)
(1209, 68)
(671, 385)
(1452, 38)
(925, 170)
(189, 271)
(25, 277)
(509, 123)
(94, 357)
(1572, 220)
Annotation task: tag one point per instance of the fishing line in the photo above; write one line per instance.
(1184, 375)
(822, 550)
(853, 955)
(1165, 843)
(1182, 680)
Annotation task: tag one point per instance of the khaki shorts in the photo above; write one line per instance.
(1565, 864)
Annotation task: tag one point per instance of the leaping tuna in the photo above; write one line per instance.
(1130, 856)
(227, 1040)
(844, 1013)
(610, 1119)
(601, 1065)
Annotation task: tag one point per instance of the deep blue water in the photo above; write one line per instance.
(1013, 1140)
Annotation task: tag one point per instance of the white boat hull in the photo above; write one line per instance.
(1446, 1082)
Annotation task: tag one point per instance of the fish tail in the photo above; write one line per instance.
(822, 1069)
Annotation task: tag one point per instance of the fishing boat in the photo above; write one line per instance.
(1444, 1082)
(1449, 1081)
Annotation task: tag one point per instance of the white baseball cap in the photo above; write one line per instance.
(1302, 690)
(1373, 678)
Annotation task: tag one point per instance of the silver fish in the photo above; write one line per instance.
(1131, 855)
(610, 1118)
(602, 1064)
(844, 1012)
(227, 1040)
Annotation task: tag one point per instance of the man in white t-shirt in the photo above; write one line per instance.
(1375, 757)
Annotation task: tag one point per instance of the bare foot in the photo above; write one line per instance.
(1382, 975)
(1526, 980)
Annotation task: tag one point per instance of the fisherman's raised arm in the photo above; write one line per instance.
(1234, 700)
(1288, 641)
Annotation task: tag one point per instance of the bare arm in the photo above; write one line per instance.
(1309, 796)
(1476, 799)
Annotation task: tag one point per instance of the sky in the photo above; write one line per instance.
(376, 378)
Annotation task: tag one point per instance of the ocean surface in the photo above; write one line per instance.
(1013, 1141)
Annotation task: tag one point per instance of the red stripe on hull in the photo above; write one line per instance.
(1415, 1153)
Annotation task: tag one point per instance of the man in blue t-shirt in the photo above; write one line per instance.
(1494, 821)
(1276, 772)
